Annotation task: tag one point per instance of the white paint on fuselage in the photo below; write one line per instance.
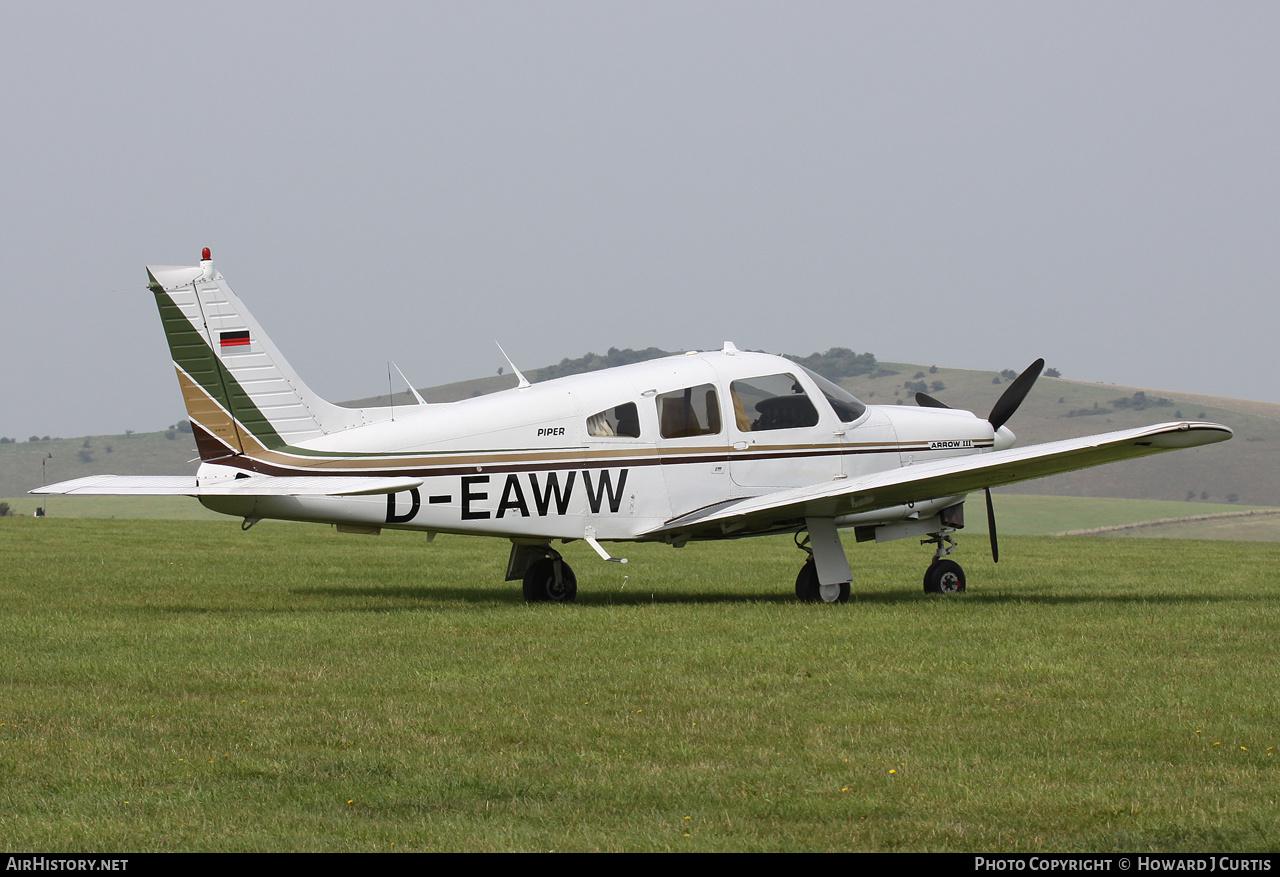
(520, 462)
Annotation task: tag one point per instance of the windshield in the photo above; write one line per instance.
(771, 402)
(847, 406)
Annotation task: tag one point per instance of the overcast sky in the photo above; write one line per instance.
(968, 184)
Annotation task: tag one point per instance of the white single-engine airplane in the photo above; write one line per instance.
(715, 445)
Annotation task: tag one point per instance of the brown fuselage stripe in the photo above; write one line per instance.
(331, 466)
(214, 448)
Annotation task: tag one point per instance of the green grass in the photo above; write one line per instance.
(186, 686)
(1240, 529)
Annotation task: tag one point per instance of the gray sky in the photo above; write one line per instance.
(971, 184)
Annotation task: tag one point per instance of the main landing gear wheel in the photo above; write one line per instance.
(808, 590)
(542, 584)
(944, 577)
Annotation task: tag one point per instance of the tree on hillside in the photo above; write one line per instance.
(838, 362)
(1140, 401)
(594, 362)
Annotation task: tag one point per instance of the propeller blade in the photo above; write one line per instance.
(924, 400)
(1012, 398)
(991, 527)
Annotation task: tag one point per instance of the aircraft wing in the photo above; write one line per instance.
(950, 477)
(259, 485)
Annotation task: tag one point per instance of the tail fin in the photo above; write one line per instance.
(241, 394)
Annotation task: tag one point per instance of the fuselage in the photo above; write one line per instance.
(613, 454)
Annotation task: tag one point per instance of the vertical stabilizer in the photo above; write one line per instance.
(242, 396)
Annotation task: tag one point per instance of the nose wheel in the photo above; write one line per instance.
(943, 576)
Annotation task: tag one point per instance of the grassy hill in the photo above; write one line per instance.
(136, 454)
(1241, 471)
(1243, 467)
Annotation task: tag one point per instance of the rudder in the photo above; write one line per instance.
(241, 394)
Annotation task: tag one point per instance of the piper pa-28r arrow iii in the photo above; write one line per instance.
(714, 445)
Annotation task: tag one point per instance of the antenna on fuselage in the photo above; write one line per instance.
(524, 382)
(421, 401)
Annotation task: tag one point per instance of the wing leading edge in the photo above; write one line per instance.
(950, 477)
(185, 485)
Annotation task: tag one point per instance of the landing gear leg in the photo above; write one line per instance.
(943, 576)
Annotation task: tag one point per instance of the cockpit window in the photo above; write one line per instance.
(621, 420)
(688, 412)
(847, 406)
(771, 402)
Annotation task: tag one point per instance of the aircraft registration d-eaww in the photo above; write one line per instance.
(722, 444)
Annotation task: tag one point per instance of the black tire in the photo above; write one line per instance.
(540, 582)
(808, 590)
(944, 577)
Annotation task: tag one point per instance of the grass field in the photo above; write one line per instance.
(187, 686)
(1259, 529)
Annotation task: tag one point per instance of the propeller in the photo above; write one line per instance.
(1004, 408)
(924, 400)
(991, 527)
(1013, 396)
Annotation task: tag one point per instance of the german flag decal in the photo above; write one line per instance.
(234, 339)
